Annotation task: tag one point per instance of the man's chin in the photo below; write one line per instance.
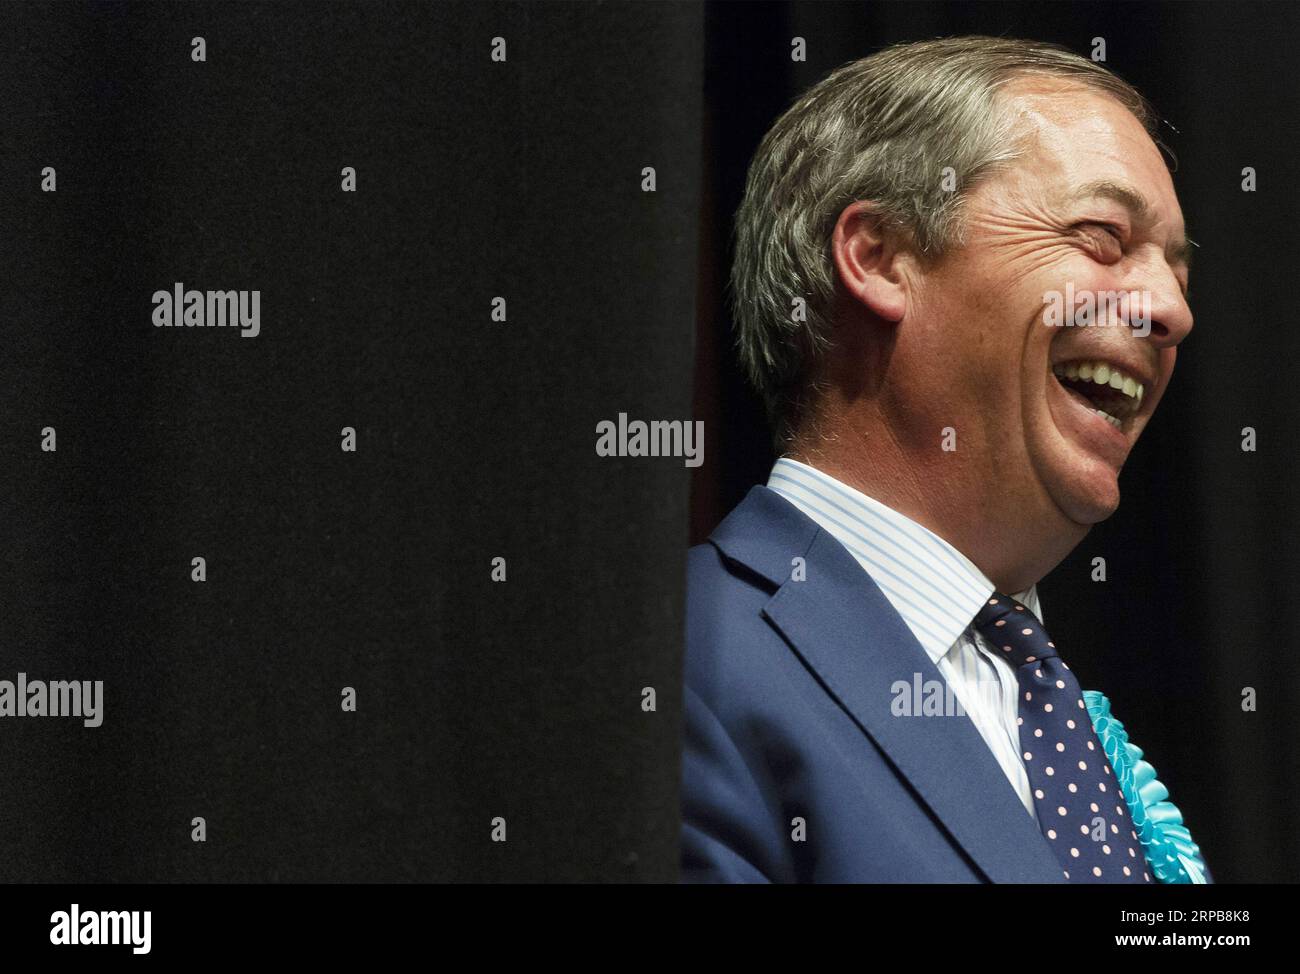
(1089, 501)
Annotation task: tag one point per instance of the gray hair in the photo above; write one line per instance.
(883, 129)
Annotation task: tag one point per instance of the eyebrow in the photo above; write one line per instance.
(1179, 251)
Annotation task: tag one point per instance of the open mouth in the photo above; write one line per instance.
(1109, 392)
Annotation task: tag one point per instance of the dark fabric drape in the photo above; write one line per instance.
(476, 699)
(1202, 554)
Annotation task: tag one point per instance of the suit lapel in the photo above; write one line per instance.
(847, 633)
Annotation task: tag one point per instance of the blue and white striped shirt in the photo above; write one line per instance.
(935, 588)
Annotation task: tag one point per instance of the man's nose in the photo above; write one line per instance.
(1171, 318)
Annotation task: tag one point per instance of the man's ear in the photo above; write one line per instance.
(867, 260)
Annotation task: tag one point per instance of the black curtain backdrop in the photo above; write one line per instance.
(1202, 562)
(476, 699)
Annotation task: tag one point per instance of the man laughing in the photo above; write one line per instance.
(943, 444)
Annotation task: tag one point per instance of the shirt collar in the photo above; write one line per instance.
(935, 588)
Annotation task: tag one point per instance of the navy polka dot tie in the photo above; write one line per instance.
(1080, 807)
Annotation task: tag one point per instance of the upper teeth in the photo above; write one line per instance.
(1102, 373)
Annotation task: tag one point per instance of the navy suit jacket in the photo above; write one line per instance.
(787, 716)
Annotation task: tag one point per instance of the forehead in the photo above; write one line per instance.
(1079, 138)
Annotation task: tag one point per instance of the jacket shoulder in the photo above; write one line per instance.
(725, 625)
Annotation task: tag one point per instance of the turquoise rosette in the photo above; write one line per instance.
(1166, 842)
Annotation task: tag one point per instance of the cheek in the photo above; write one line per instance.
(989, 327)
(1167, 358)
(987, 321)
